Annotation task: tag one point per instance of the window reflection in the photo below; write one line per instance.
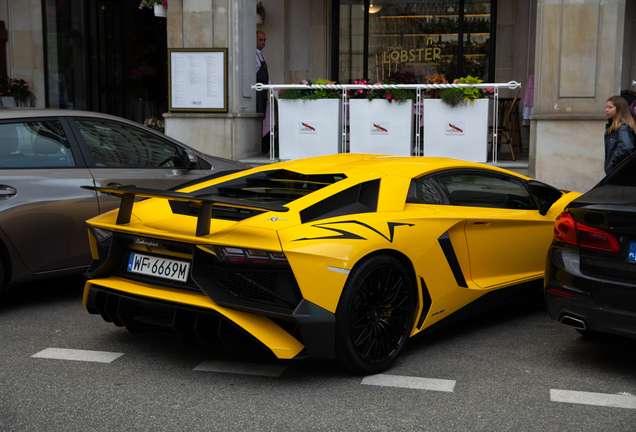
(415, 37)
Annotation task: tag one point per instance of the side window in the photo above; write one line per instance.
(34, 144)
(487, 190)
(428, 192)
(114, 145)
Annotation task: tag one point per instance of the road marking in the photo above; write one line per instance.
(241, 368)
(410, 382)
(78, 355)
(598, 399)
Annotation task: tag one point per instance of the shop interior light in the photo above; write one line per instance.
(373, 9)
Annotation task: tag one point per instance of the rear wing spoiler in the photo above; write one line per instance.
(204, 202)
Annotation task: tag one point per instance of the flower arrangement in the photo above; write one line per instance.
(152, 3)
(154, 123)
(438, 78)
(390, 94)
(17, 89)
(456, 96)
(260, 10)
(137, 74)
(310, 94)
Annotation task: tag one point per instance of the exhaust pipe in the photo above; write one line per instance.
(573, 322)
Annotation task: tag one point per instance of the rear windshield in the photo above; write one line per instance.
(623, 175)
(275, 187)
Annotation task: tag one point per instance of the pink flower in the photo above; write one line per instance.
(359, 90)
(455, 82)
(305, 82)
(280, 91)
(165, 4)
(388, 96)
(488, 90)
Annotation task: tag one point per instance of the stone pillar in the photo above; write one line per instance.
(227, 24)
(578, 61)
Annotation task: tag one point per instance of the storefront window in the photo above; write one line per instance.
(106, 55)
(65, 54)
(414, 37)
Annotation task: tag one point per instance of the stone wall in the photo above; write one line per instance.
(227, 24)
(578, 66)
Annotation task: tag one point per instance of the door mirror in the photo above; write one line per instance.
(546, 193)
(192, 160)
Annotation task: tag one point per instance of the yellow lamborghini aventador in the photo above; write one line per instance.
(341, 257)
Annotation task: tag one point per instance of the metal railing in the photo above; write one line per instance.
(418, 100)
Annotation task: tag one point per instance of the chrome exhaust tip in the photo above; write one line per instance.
(578, 324)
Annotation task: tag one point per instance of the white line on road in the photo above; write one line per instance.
(410, 382)
(241, 368)
(598, 399)
(78, 355)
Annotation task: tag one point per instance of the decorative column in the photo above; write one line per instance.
(227, 24)
(579, 55)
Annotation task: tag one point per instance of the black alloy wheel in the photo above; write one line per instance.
(374, 315)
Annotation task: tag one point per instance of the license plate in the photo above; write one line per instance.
(159, 267)
(631, 255)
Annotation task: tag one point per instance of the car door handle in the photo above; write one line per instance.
(480, 224)
(113, 184)
(7, 191)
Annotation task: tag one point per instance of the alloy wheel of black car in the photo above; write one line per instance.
(374, 315)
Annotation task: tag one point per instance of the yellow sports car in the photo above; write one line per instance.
(341, 257)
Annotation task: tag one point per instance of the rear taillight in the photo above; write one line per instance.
(234, 255)
(567, 230)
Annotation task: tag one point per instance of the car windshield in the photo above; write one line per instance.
(276, 186)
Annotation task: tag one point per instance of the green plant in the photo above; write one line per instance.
(152, 3)
(452, 96)
(310, 94)
(470, 93)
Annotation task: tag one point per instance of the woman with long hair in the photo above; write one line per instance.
(619, 132)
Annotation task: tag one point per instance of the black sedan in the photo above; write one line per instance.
(46, 155)
(590, 279)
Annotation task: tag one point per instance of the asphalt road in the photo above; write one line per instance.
(511, 369)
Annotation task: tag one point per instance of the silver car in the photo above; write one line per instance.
(46, 155)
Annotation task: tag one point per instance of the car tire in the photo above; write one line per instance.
(3, 281)
(374, 315)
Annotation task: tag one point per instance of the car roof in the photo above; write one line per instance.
(401, 166)
(20, 113)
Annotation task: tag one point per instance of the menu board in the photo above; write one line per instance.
(198, 79)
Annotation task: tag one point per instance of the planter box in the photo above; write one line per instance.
(309, 128)
(7, 101)
(160, 11)
(460, 132)
(380, 127)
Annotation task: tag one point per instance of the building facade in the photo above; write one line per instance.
(110, 56)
